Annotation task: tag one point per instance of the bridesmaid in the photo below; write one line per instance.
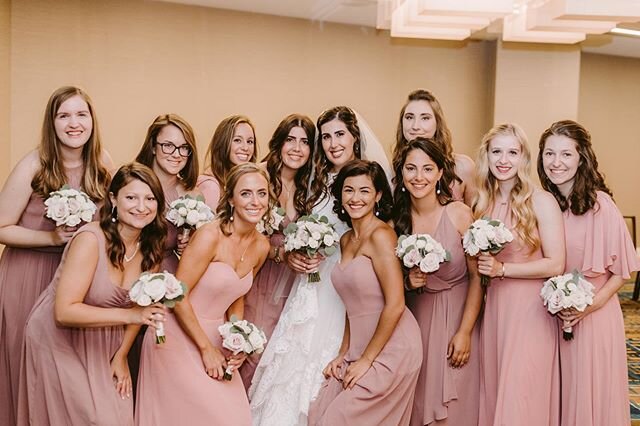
(519, 382)
(70, 153)
(422, 116)
(448, 301)
(372, 380)
(594, 364)
(290, 149)
(233, 143)
(169, 149)
(181, 381)
(74, 368)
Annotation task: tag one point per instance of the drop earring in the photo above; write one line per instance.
(377, 209)
(114, 214)
(342, 210)
(403, 189)
(231, 215)
(438, 188)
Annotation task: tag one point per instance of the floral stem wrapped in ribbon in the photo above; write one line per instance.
(241, 336)
(69, 207)
(568, 291)
(423, 251)
(311, 235)
(273, 222)
(189, 213)
(160, 287)
(486, 236)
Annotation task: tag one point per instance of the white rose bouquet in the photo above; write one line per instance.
(423, 251)
(311, 235)
(188, 213)
(486, 235)
(273, 223)
(241, 336)
(69, 207)
(160, 287)
(568, 291)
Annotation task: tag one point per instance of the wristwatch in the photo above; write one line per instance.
(276, 255)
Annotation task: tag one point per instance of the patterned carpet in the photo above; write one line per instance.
(631, 312)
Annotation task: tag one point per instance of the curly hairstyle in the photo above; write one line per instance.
(380, 183)
(153, 235)
(401, 212)
(219, 151)
(526, 223)
(189, 173)
(52, 176)
(441, 136)
(274, 160)
(224, 212)
(319, 186)
(587, 179)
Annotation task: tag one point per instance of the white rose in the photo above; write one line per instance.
(135, 292)
(73, 220)
(411, 259)
(234, 342)
(173, 287)
(58, 212)
(256, 340)
(143, 300)
(225, 329)
(182, 211)
(480, 239)
(328, 240)
(155, 289)
(313, 244)
(429, 263)
(555, 301)
(421, 243)
(191, 203)
(316, 236)
(74, 205)
(86, 216)
(172, 216)
(247, 348)
(192, 217)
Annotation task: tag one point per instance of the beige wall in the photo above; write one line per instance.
(610, 109)
(140, 59)
(5, 88)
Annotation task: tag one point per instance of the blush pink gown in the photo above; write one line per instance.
(210, 188)
(24, 274)
(384, 395)
(173, 387)
(445, 395)
(265, 301)
(66, 376)
(594, 364)
(520, 377)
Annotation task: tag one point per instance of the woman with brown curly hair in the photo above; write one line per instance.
(74, 368)
(594, 364)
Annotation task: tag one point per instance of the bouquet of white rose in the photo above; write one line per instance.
(69, 207)
(486, 235)
(273, 223)
(311, 235)
(565, 292)
(189, 212)
(160, 287)
(241, 336)
(421, 250)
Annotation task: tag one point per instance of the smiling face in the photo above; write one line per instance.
(420, 174)
(560, 160)
(337, 143)
(504, 156)
(418, 120)
(170, 164)
(243, 144)
(250, 198)
(135, 203)
(73, 122)
(359, 196)
(295, 149)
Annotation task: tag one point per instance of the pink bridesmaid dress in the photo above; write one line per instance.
(66, 375)
(520, 377)
(265, 301)
(384, 395)
(210, 188)
(594, 364)
(170, 261)
(445, 395)
(24, 274)
(173, 387)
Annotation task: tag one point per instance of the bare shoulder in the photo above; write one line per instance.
(383, 237)
(263, 165)
(262, 243)
(464, 163)
(28, 165)
(460, 214)
(86, 243)
(107, 161)
(544, 202)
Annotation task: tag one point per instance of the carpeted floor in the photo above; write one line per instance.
(631, 312)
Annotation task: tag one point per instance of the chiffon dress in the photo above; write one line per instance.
(384, 394)
(445, 395)
(265, 301)
(520, 377)
(210, 188)
(65, 377)
(24, 274)
(173, 386)
(594, 364)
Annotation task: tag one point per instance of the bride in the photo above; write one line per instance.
(309, 332)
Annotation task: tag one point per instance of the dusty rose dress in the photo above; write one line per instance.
(66, 377)
(265, 301)
(24, 274)
(520, 377)
(445, 395)
(210, 188)
(173, 387)
(594, 364)
(384, 395)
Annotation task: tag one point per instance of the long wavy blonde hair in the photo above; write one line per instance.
(525, 220)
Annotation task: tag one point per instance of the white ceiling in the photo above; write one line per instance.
(364, 13)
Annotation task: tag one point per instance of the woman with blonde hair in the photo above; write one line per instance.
(519, 341)
(70, 153)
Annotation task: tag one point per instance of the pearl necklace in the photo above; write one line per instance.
(128, 259)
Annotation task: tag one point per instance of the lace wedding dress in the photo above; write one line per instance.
(306, 338)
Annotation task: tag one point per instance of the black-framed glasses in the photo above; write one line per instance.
(169, 148)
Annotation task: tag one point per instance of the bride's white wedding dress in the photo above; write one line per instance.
(306, 338)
